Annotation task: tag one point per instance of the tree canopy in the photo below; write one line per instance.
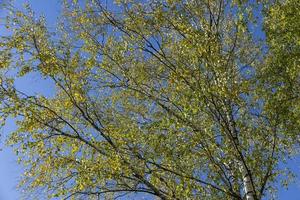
(174, 99)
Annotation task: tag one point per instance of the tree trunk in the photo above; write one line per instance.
(249, 192)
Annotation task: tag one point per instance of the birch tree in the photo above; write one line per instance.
(174, 99)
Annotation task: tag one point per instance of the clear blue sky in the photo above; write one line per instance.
(10, 171)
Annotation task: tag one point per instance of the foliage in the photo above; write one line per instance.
(173, 98)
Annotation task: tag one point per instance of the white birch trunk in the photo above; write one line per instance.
(248, 189)
(247, 183)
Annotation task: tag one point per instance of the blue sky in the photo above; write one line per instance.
(10, 171)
